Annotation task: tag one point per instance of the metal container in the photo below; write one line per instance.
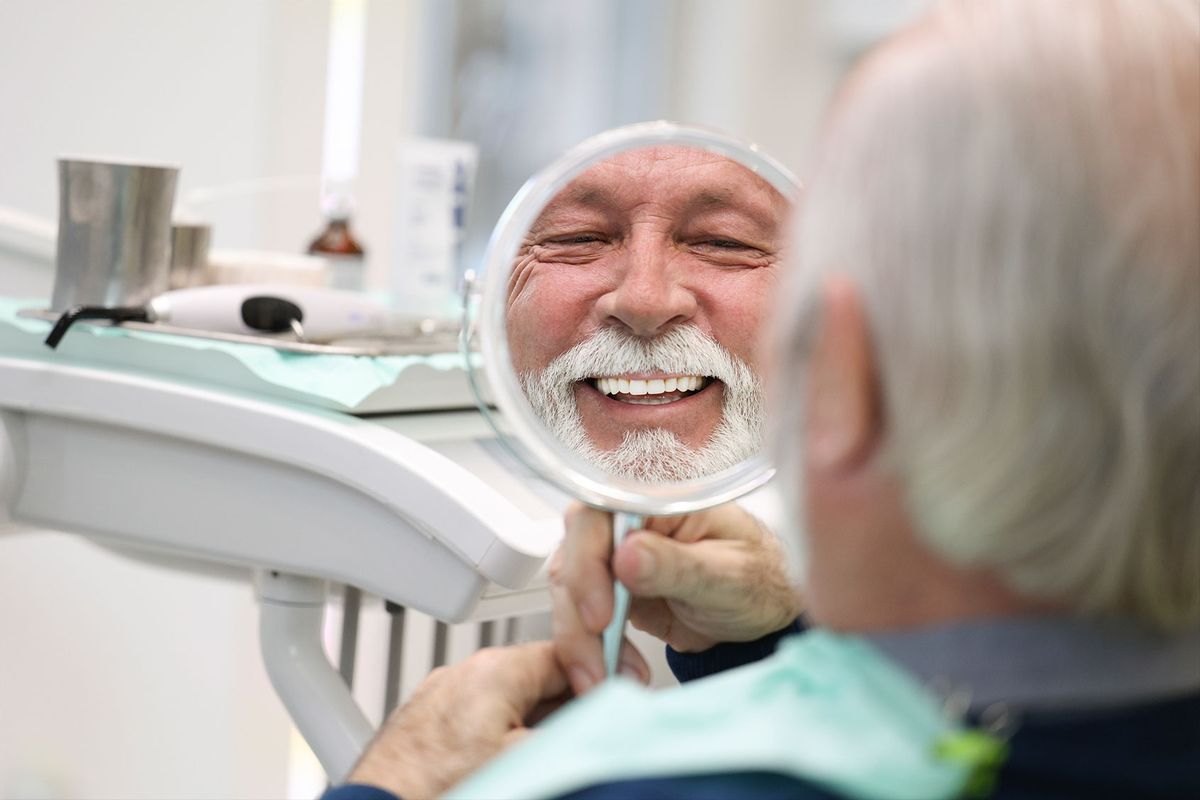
(189, 254)
(114, 233)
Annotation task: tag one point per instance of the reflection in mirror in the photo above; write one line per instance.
(634, 309)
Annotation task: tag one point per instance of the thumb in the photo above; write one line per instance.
(657, 566)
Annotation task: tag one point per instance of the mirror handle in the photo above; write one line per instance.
(614, 634)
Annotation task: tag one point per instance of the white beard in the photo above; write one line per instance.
(652, 454)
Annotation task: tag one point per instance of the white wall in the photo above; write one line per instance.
(118, 679)
(121, 680)
(228, 90)
(766, 70)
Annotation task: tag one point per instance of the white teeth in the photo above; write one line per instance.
(650, 388)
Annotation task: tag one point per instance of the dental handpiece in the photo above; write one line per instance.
(614, 634)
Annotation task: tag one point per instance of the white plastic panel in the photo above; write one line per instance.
(231, 479)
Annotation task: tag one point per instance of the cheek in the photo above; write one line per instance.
(549, 315)
(737, 304)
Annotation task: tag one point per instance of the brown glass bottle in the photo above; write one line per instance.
(344, 253)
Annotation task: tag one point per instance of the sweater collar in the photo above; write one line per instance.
(1047, 662)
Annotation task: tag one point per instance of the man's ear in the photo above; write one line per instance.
(843, 403)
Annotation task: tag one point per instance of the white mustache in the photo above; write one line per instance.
(683, 350)
(654, 455)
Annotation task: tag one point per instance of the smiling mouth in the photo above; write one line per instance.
(650, 391)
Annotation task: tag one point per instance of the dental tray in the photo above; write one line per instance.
(418, 373)
(417, 344)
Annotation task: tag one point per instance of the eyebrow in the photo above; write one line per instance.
(602, 198)
(762, 214)
(574, 196)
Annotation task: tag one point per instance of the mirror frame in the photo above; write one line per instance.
(484, 318)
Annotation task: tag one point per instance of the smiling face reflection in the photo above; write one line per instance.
(635, 307)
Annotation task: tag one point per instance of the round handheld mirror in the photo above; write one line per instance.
(619, 318)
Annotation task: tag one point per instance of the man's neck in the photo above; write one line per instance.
(911, 588)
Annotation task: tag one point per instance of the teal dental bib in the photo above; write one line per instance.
(828, 709)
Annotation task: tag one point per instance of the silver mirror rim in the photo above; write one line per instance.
(544, 453)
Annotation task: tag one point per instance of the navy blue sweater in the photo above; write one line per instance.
(1150, 750)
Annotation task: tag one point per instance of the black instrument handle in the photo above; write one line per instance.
(76, 313)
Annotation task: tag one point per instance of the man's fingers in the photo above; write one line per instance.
(515, 737)
(579, 651)
(526, 674)
(656, 618)
(546, 708)
(633, 663)
(651, 615)
(728, 521)
(582, 565)
(655, 566)
(666, 525)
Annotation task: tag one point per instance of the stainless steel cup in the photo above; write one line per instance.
(189, 254)
(114, 233)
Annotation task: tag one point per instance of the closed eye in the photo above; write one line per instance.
(581, 238)
(573, 248)
(727, 248)
(725, 252)
(726, 244)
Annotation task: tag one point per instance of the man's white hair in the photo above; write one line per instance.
(1017, 196)
(652, 454)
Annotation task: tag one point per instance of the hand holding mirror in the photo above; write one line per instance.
(619, 316)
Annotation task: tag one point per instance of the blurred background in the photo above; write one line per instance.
(121, 680)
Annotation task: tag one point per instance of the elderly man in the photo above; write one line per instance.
(636, 306)
(993, 326)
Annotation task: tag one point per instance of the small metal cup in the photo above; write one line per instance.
(189, 254)
(114, 233)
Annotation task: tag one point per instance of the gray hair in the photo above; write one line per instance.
(1017, 197)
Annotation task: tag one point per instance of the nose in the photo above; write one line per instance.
(649, 297)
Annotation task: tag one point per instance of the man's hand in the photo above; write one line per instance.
(460, 718)
(696, 580)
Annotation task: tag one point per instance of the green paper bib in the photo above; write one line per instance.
(828, 709)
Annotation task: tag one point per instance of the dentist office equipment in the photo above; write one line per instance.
(119, 254)
(560, 234)
(240, 458)
(304, 314)
(373, 472)
(412, 506)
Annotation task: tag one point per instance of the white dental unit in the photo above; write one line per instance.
(198, 446)
(419, 505)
